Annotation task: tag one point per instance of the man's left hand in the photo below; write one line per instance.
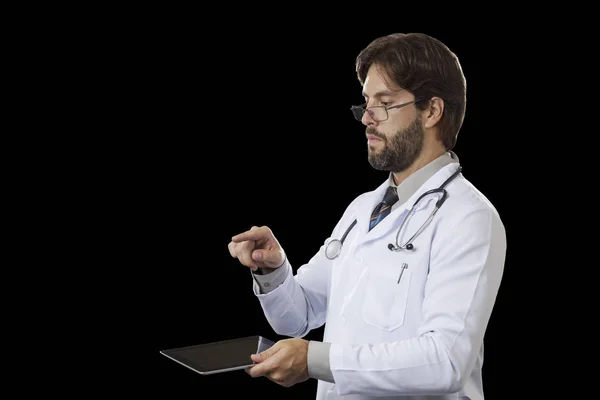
(285, 363)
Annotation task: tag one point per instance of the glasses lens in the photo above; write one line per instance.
(378, 113)
(358, 112)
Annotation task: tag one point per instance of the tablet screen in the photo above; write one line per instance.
(227, 355)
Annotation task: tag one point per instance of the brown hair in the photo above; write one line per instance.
(425, 67)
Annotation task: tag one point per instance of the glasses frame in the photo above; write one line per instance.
(387, 115)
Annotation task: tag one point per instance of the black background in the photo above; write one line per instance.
(253, 127)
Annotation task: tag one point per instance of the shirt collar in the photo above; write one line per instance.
(415, 180)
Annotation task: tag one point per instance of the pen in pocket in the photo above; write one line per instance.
(404, 266)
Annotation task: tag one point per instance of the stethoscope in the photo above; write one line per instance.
(334, 247)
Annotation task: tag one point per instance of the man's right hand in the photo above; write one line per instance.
(257, 248)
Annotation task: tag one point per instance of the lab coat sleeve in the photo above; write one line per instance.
(299, 303)
(466, 267)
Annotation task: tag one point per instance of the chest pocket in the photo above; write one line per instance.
(386, 295)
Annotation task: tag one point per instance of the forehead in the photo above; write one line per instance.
(378, 83)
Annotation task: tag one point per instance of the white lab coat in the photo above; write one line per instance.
(421, 338)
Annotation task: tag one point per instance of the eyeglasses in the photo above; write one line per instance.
(377, 113)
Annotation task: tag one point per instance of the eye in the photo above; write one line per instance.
(386, 103)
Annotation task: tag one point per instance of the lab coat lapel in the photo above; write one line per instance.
(384, 227)
(366, 210)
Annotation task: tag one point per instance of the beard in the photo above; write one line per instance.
(398, 152)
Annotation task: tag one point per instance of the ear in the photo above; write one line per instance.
(434, 112)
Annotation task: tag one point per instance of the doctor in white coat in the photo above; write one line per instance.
(407, 295)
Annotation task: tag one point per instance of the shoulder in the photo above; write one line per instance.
(468, 210)
(469, 232)
(466, 197)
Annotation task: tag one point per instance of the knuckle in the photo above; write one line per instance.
(276, 376)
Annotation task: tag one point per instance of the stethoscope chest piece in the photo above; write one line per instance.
(333, 249)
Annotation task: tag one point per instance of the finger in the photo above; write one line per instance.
(264, 355)
(264, 368)
(255, 233)
(278, 378)
(244, 252)
(231, 247)
(266, 361)
(271, 258)
(268, 367)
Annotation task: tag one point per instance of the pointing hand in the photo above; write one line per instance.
(257, 248)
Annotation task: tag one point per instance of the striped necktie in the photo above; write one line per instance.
(385, 207)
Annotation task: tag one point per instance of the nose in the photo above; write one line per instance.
(367, 120)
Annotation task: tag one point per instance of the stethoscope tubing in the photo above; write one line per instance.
(334, 247)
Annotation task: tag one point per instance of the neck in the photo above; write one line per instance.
(427, 156)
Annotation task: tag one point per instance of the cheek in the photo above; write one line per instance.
(388, 131)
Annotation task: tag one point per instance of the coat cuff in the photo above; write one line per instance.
(318, 361)
(269, 282)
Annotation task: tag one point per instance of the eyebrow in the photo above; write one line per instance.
(382, 93)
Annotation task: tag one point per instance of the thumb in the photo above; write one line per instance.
(270, 257)
(262, 356)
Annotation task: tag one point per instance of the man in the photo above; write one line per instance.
(404, 316)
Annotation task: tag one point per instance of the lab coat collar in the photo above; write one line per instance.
(430, 176)
(413, 182)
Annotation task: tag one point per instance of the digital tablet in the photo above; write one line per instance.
(216, 357)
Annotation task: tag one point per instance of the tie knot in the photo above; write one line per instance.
(391, 196)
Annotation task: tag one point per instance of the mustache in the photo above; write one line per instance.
(373, 131)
